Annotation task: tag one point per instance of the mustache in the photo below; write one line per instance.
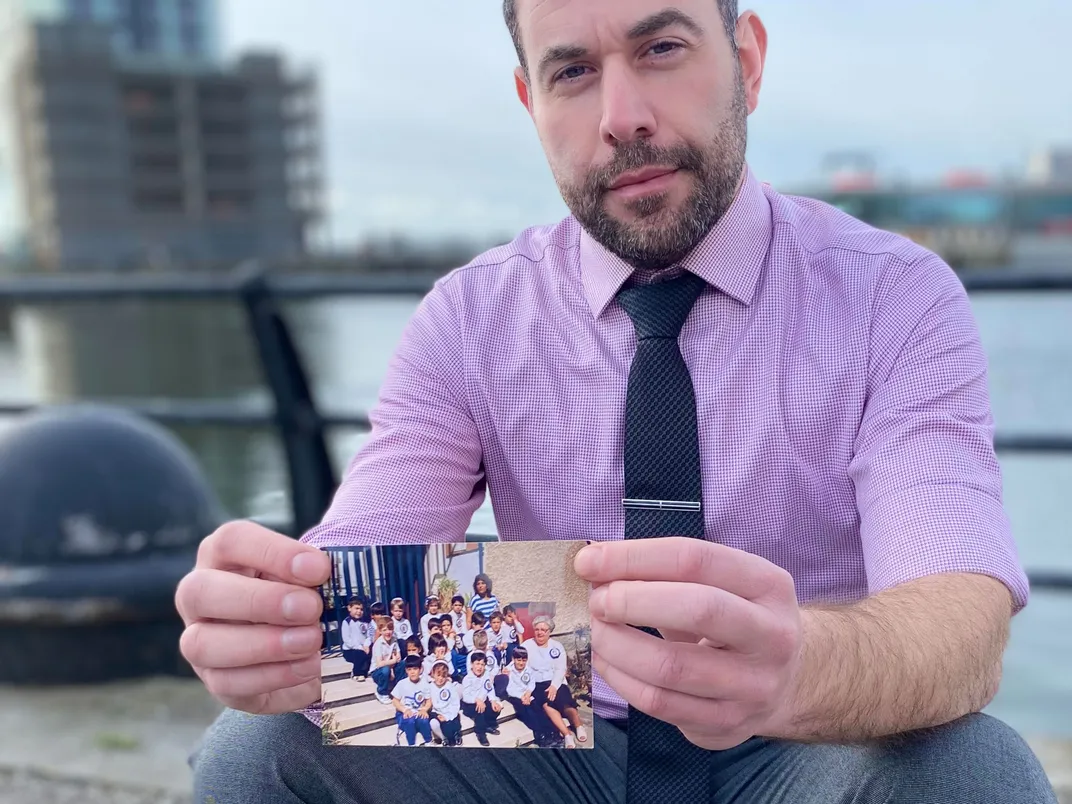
(642, 154)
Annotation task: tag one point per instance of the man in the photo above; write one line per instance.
(689, 354)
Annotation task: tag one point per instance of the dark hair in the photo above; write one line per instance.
(487, 585)
(521, 653)
(415, 643)
(431, 599)
(355, 601)
(478, 656)
(446, 618)
(435, 641)
(436, 621)
(478, 618)
(377, 609)
(727, 7)
(508, 610)
(413, 661)
(496, 615)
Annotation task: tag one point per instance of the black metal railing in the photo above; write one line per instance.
(296, 417)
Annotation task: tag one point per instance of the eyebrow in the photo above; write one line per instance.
(649, 26)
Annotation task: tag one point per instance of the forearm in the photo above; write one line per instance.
(915, 656)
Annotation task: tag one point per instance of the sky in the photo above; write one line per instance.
(423, 133)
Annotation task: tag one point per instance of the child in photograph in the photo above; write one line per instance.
(458, 615)
(431, 612)
(446, 627)
(480, 645)
(480, 702)
(458, 656)
(514, 629)
(412, 698)
(412, 647)
(483, 601)
(519, 691)
(386, 657)
(433, 628)
(356, 639)
(446, 706)
(377, 610)
(438, 651)
(498, 637)
(476, 623)
(403, 627)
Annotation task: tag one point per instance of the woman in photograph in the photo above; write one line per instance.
(482, 601)
(547, 662)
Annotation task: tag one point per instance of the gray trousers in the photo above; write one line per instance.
(280, 759)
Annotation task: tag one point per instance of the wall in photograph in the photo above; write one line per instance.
(542, 570)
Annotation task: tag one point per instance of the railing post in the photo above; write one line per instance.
(298, 420)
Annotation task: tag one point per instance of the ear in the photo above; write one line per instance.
(752, 52)
(521, 84)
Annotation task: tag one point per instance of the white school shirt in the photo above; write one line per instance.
(412, 694)
(503, 636)
(403, 629)
(382, 649)
(355, 635)
(521, 681)
(547, 663)
(492, 666)
(517, 630)
(478, 688)
(459, 621)
(447, 700)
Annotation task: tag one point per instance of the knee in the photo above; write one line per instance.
(975, 758)
(244, 757)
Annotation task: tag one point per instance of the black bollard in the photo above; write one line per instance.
(101, 513)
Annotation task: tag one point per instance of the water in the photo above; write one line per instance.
(202, 351)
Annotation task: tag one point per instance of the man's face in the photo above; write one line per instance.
(641, 107)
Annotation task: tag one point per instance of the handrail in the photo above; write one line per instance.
(295, 415)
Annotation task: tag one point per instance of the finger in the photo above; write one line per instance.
(224, 645)
(713, 613)
(696, 716)
(251, 548)
(261, 682)
(683, 560)
(207, 594)
(277, 702)
(698, 670)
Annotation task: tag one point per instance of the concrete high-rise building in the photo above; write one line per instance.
(135, 145)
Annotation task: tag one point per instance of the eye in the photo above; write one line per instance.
(571, 73)
(664, 48)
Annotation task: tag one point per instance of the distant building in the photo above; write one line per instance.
(135, 146)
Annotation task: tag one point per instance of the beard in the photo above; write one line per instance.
(662, 236)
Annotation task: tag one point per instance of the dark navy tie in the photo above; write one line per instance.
(662, 497)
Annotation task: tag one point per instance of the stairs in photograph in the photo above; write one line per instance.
(359, 719)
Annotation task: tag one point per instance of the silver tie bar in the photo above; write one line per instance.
(661, 505)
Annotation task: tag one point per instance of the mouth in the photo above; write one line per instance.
(635, 177)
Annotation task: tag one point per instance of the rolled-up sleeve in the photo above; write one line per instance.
(928, 484)
(418, 478)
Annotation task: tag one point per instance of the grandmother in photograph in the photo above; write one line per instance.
(547, 663)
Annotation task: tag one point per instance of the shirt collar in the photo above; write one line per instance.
(730, 256)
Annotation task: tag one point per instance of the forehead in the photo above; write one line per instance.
(595, 23)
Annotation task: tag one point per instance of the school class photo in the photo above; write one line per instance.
(475, 644)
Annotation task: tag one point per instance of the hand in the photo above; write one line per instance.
(408, 713)
(526, 698)
(496, 706)
(480, 705)
(726, 675)
(422, 714)
(252, 618)
(552, 691)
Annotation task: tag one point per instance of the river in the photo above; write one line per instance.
(202, 351)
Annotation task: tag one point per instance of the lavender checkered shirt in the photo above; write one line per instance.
(845, 423)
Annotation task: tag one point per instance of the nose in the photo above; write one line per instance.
(627, 114)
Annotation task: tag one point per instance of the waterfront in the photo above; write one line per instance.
(199, 351)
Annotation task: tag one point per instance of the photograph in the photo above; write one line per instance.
(472, 644)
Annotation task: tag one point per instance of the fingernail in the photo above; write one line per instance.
(300, 640)
(588, 559)
(299, 607)
(597, 602)
(308, 567)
